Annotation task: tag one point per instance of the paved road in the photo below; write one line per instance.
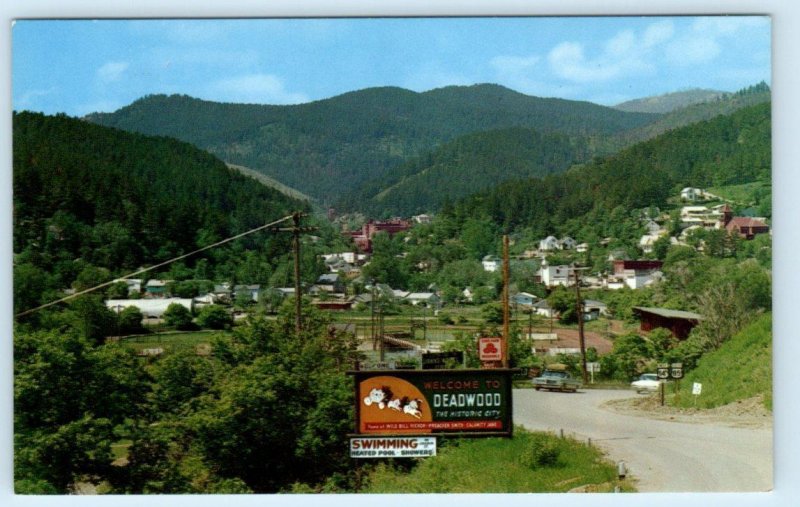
(664, 456)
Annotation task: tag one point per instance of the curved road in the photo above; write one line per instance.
(663, 456)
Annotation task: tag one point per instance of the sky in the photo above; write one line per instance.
(82, 66)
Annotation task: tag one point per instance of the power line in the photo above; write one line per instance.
(162, 264)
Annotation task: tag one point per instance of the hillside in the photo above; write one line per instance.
(727, 150)
(90, 196)
(670, 101)
(329, 147)
(469, 164)
(740, 369)
(270, 182)
(724, 105)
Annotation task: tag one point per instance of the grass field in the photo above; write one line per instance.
(171, 342)
(527, 463)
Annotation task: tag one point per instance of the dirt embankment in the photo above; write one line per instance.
(749, 413)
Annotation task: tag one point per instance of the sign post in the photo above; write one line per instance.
(697, 388)
(593, 367)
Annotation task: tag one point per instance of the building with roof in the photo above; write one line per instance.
(745, 227)
(150, 308)
(679, 322)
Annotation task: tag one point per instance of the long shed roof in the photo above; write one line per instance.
(671, 314)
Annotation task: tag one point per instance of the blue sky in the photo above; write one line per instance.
(81, 66)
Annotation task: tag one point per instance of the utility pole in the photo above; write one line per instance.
(296, 230)
(506, 311)
(579, 309)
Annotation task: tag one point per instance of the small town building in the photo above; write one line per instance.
(552, 276)
(491, 263)
(150, 308)
(744, 227)
(156, 288)
(637, 274)
(548, 244)
(427, 298)
(680, 323)
(524, 299)
(543, 308)
(330, 282)
(249, 291)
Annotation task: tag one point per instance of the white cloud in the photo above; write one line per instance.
(112, 71)
(254, 89)
(621, 57)
(659, 33)
(693, 50)
(625, 54)
(708, 35)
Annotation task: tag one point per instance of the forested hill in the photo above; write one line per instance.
(670, 101)
(705, 110)
(119, 200)
(471, 163)
(329, 147)
(726, 150)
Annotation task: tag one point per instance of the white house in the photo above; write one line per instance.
(153, 308)
(549, 243)
(543, 308)
(428, 298)
(567, 243)
(490, 263)
(551, 276)
(691, 194)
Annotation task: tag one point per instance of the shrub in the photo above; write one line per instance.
(214, 317)
(178, 316)
(543, 452)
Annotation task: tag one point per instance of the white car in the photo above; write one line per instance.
(647, 382)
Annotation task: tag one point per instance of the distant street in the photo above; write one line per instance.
(664, 456)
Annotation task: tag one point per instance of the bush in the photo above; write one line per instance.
(178, 316)
(214, 317)
(543, 452)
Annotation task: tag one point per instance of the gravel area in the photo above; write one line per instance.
(749, 413)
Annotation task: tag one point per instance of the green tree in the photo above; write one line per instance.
(178, 316)
(214, 317)
(563, 301)
(130, 320)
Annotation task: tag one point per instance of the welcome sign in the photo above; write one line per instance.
(442, 402)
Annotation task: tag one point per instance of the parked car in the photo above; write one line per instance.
(556, 378)
(647, 382)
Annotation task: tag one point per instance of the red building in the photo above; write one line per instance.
(680, 323)
(745, 227)
(363, 238)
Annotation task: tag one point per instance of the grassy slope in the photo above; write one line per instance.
(740, 369)
(497, 465)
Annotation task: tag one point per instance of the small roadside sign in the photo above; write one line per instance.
(697, 388)
(662, 371)
(676, 370)
(490, 349)
(393, 447)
